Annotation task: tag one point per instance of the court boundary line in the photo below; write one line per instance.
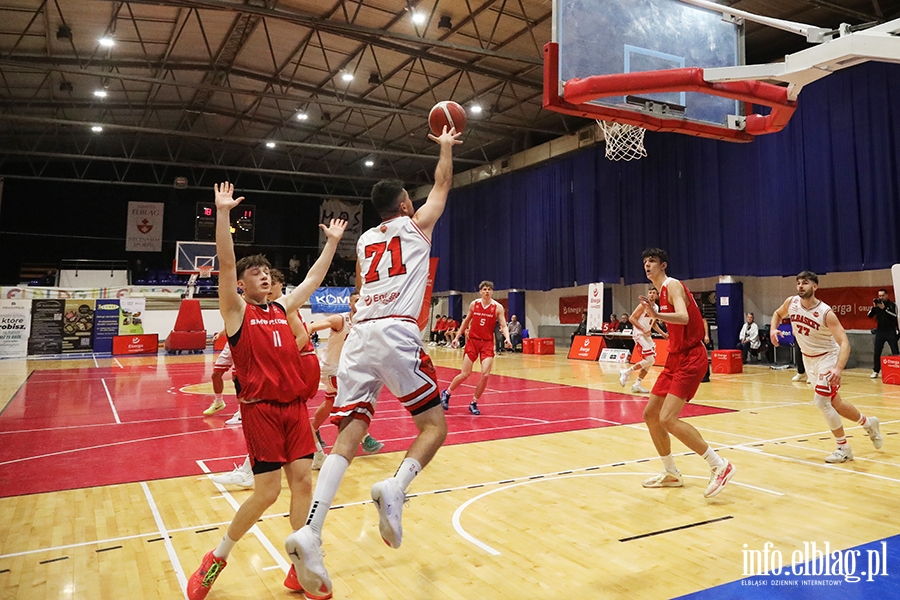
(111, 404)
(170, 549)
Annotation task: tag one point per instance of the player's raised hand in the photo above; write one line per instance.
(649, 307)
(773, 337)
(335, 230)
(224, 196)
(447, 137)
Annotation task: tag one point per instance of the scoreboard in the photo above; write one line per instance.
(243, 223)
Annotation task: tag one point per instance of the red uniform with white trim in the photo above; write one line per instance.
(687, 361)
(384, 346)
(273, 387)
(820, 350)
(480, 339)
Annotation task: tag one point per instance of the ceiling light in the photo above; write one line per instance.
(107, 42)
(96, 129)
(444, 23)
(475, 109)
(270, 144)
(419, 17)
(100, 93)
(302, 116)
(369, 163)
(63, 33)
(374, 79)
(347, 76)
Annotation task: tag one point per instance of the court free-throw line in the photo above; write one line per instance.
(96, 364)
(170, 549)
(111, 405)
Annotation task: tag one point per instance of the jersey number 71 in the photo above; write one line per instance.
(376, 252)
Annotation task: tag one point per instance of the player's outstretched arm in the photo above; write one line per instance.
(679, 301)
(317, 272)
(635, 316)
(333, 322)
(231, 305)
(431, 211)
(777, 317)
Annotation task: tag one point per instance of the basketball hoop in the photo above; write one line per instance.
(205, 271)
(623, 141)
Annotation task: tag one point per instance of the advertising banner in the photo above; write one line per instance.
(106, 324)
(15, 325)
(595, 307)
(424, 312)
(586, 347)
(130, 320)
(350, 212)
(136, 344)
(145, 225)
(78, 326)
(331, 300)
(571, 308)
(46, 326)
(105, 292)
(852, 304)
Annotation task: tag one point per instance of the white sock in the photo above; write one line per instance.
(842, 442)
(669, 463)
(408, 470)
(220, 398)
(247, 467)
(638, 381)
(863, 420)
(327, 485)
(713, 460)
(224, 547)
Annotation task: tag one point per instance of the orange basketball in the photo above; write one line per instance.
(446, 114)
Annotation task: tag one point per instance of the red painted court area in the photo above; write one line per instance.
(77, 428)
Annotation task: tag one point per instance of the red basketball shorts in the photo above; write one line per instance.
(682, 374)
(277, 432)
(479, 349)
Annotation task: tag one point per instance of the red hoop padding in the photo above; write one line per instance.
(580, 91)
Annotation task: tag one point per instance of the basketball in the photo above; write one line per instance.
(446, 114)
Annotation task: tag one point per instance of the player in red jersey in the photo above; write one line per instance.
(274, 387)
(677, 384)
(481, 319)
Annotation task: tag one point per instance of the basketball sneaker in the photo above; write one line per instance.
(215, 407)
(305, 549)
(874, 375)
(623, 376)
(720, 476)
(840, 456)
(290, 582)
(873, 430)
(473, 408)
(799, 377)
(236, 419)
(201, 581)
(239, 477)
(389, 499)
(445, 399)
(639, 389)
(318, 460)
(370, 445)
(664, 479)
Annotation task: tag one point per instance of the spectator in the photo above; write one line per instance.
(611, 325)
(450, 330)
(623, 323)
(749, 337)
(515, 331)
(294, 270)
(582, 328)
(884, 312)
(437, 331)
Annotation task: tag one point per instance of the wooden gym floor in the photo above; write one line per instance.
(539, 496)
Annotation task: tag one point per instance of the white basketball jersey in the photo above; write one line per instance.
(393, 260)
(810, 331)
(645, 321)
(331, 353)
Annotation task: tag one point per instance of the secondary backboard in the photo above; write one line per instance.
(605, 37)
(190, 256)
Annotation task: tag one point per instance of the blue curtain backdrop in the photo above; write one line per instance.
(823, 194)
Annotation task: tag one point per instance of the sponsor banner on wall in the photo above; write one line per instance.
(424, 312)
(331, 300)
(350, 212)
(15, 325)
(78, 326)
(46, 326)
(145, 225)
(106, 292)
(106, 324)
(586, 347)
(131, 321)
(595, 307)
(571, 308)
(852, 304)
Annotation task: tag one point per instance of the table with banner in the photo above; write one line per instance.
(609, 347)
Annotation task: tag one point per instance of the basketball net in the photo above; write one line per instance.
(205, 271)
(623, 142)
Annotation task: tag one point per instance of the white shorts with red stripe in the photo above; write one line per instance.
(647, 345)
(224, 361)
(328, 378)
(816, 367)
(384, 352)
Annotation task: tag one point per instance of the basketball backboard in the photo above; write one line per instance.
(191, 256)
(607, 37)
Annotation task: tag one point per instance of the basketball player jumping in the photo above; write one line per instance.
(481, 319)
(825, 348)
(680, 378)
(643, 339)
(274, 387)
(384, 348)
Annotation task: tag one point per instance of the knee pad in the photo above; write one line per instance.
(647, 362)
(832, 418)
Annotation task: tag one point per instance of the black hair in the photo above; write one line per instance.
(657, 253)
(249, 262)
(808, 275)
(386, 197)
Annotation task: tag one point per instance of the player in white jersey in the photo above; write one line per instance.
(329, 356)
(384, 347)
(825, 349)
(642, 334)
